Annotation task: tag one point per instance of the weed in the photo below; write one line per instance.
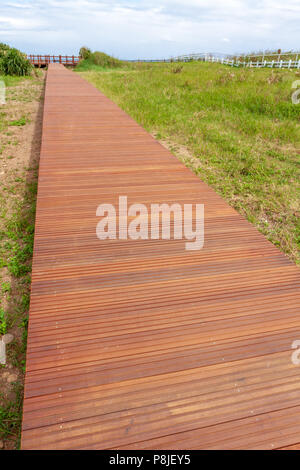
(5, 287)
(11, 415)
(19, 122)
(177, 69)
(3, 322)
(13, 62)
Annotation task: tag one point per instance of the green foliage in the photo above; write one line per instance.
(99, 60)
(12, 81)
(19, 122)
(85, 52)
(13, 62)
(236, 128)
(11, 415)
(3, 323)
(104, 60)
(177, 69)
(3, 49)
(5, 287)
(17, 216)
(20, 233)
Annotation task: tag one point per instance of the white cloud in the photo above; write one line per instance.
(149, 28)
(17, 23)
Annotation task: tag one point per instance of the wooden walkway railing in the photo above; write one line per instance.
(138, 344)
(53, 59)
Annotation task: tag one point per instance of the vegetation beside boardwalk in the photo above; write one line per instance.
(20, 121)
(97, 60)
(236, 128)
(13, 62)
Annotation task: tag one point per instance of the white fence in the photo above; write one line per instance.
(286, 64)
(253, 61)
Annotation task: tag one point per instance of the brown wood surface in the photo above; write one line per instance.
(142, 344)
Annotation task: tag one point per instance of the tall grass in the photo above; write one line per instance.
(97, 61)
(13, 62)
(237, 129)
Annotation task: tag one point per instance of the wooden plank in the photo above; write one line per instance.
(139, 344)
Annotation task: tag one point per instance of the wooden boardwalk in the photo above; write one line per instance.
(46, 59)
(142, 344)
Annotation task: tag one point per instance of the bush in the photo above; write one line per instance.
(177, 69)
(85, 52)
(13, 62)
(104, 60)
(3, 49)
(94, 60)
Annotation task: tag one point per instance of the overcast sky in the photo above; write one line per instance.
(131, 29)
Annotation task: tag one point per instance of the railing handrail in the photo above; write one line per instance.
(43, 59)
(233, 60)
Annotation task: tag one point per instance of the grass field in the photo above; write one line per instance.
(236, 128)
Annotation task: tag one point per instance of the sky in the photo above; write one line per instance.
(150, 29)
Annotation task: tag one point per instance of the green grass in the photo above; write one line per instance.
(19, 122)
(11, 415)
(88, 65)
(12, 80)
(16, 246)
(3, 323)
(17, 213)
(238, 128)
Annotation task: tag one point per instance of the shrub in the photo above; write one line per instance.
(14, 62)
(177, 69)
(3, 49)
(104, 60)
(85, 52)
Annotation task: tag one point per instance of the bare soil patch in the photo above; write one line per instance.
(20, 136)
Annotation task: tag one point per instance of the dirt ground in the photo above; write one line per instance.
(20, 137)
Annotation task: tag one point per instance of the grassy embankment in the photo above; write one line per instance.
(236, 128)
(19, 150)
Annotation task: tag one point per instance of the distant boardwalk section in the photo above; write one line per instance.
(41, 60)
(140, 343)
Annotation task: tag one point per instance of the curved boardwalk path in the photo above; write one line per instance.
(142, 344)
